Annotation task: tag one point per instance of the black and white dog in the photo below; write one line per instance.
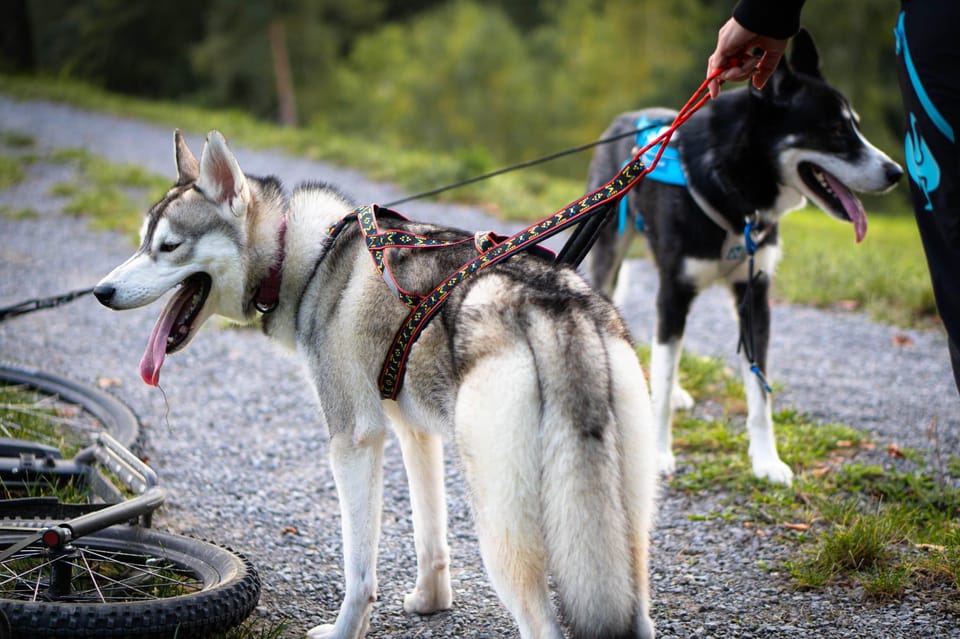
(746, 158)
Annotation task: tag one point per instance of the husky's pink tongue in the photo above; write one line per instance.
(156, 351)
(851, 204)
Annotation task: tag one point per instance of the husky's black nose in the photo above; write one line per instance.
(104, 293)
(894, 173)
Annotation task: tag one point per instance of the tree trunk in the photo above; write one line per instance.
(281, 71)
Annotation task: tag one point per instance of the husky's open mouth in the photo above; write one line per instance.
(833, 196)
(175, 326)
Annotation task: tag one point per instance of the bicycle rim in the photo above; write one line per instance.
(125, 582)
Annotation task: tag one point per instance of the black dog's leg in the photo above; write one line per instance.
(673, 303)
(753, 306)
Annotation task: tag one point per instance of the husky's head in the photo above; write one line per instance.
(193, 240)
(821, 151)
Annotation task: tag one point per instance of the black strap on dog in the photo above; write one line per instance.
(746, 307)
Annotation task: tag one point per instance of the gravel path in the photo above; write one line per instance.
(239, 444)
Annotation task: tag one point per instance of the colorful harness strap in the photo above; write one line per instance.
(391, 376)
(379, 241)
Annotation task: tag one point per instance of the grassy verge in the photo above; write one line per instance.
(888, 525)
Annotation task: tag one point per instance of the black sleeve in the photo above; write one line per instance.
(771, 18)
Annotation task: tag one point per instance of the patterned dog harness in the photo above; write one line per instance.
(491, 249)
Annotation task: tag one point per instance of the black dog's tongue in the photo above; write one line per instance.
(851, 204)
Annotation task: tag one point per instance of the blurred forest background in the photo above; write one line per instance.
(506, 80)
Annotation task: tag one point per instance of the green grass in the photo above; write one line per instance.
(888, 529)
(11, 171)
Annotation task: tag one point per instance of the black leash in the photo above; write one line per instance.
(746, 309)
(40, 304)
(511, 168)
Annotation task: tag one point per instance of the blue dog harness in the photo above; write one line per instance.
(667, 171)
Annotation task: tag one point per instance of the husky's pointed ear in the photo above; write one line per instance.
(220, 178)
(188, 169)
(804, 57)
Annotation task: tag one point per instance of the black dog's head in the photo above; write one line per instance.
(817, 143)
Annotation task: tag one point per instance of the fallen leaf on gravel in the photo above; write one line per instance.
(798, 527)
(290, 530)
(902, 339)
(848, 305)
(894, 451)
(820, 472)
(844, 443)
(108, 382)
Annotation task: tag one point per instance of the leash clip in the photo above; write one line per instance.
(749, 243)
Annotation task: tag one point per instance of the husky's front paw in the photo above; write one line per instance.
(773, 470)
(326, 631)
(681, 399)
(330, 631)
(666, 462)
(423, 601)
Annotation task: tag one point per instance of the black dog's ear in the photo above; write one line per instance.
(779, 87)
(804, 57)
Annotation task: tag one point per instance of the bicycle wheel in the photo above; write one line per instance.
(124, 582)
(114, 416)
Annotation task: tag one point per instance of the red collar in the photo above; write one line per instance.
(268, 295)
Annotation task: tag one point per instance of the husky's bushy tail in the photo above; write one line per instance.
(593, 521)
(555, 433)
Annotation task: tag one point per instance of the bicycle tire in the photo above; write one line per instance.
(115, 416)
(229, 593)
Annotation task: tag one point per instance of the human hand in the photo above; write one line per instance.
(734, 52)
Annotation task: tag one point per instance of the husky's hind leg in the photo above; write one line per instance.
(496, 428)
(423, 459)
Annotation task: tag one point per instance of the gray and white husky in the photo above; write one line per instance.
(530, 372)
(748, 155)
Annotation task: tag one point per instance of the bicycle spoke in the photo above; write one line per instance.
(98, 576)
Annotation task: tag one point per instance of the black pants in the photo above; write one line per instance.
(928, 50)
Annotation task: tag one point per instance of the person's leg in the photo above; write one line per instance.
(929, 56)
